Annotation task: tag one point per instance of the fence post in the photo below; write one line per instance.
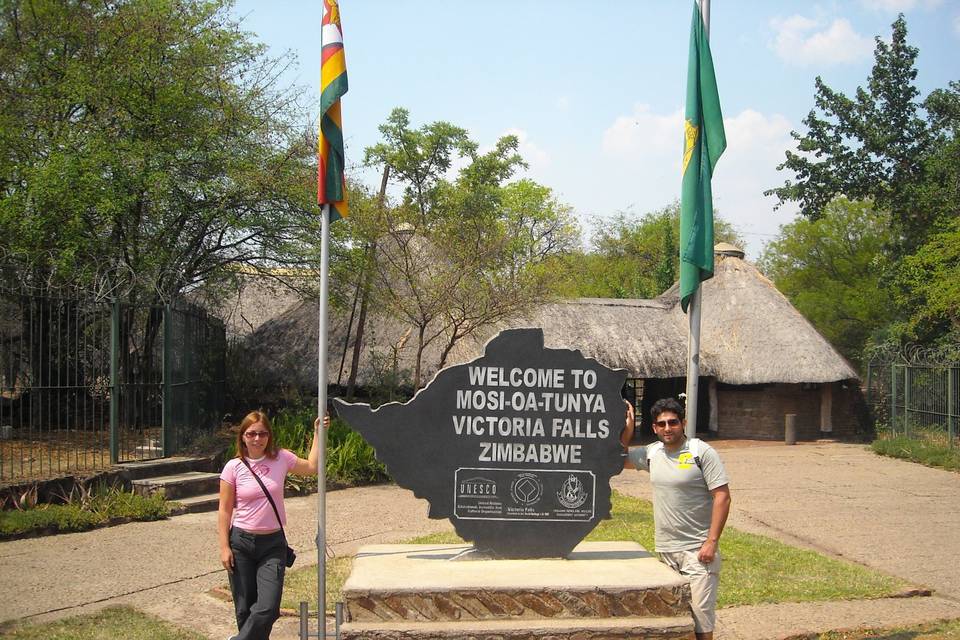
(893, 400)
(166, 435)
(952, 409)
(115, 382)
(906, 400)
(187, 382)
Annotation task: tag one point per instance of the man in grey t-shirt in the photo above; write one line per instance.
(691, 500)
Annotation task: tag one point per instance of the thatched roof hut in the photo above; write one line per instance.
(751, 335)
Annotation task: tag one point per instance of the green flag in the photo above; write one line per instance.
(704, 141)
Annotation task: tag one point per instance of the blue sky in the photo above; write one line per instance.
(595, 90)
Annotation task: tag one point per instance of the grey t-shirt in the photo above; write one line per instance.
(682, 504)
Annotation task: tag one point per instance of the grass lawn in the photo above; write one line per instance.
(756, 569)
(108, 624)
(301, 584)
(925, 449)
(943, 630)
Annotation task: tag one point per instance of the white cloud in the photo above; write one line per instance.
(756, 143)
(644, 131)
(641, 156)
(536, 157)
(898, 6)
(750, 131)
(803, 41)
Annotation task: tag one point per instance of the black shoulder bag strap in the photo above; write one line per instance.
(266, 493)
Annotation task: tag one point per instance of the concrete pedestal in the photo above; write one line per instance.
(604, 590)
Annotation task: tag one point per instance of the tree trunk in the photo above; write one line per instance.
(365, 279)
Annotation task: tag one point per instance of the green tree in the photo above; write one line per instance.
(667, 269)
(418, 159)
(929, 287)
(633, 257)
(927, 280)
(873, 146)
(835, 272)
(146, 148)
(456, 255)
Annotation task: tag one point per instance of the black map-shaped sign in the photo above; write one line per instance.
(516, 448)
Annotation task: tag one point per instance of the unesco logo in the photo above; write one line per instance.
(475, 487)
(526, 489)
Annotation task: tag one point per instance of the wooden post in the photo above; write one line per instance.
(826, 408)
(714, 407)
(790, 428)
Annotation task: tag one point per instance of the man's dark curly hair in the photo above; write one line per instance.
(667, 404)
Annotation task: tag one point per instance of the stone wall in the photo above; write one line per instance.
(758, 411)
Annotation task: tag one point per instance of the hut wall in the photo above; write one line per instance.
(757, 411)
(850, 418)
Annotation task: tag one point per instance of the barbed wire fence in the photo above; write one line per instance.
(87, 383)
(914, 391)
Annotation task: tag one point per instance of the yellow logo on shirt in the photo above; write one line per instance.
(684, 460)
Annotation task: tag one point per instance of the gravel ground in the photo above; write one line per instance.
(840, 499)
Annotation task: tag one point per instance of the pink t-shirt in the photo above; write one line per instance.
(252, 510)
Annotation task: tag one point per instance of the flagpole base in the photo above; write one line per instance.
(306, 634)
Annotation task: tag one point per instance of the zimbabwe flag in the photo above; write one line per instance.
(333, 84)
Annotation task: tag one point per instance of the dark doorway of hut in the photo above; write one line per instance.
(654, 389)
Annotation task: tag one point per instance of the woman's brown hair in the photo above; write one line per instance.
(248, 421)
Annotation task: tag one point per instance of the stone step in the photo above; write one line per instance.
(197, 504)
(164, 467)
(671, 628)
(432, 583)
(180, 485)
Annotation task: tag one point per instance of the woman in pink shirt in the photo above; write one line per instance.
(252, 544)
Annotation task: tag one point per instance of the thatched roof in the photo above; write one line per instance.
(637, 335)
(751, 334)
(284, 349)
(258, 299)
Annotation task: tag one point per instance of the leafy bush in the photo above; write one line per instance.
(85, 508)
(58, 517)
(353, 461)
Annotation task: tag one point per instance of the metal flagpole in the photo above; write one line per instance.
(693, 362)
(322, 436)
(693, 312)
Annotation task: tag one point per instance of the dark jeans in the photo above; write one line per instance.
(257, 581)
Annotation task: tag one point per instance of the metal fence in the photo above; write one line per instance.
(915, 392)
(85, 384)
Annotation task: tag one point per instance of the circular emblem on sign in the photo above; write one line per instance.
(571, 493)
(526, 488)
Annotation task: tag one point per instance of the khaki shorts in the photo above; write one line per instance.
(704, 581)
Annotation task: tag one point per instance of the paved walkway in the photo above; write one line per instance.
(844, 501)
(900, 518)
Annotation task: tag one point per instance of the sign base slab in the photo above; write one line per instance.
(608, 590)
